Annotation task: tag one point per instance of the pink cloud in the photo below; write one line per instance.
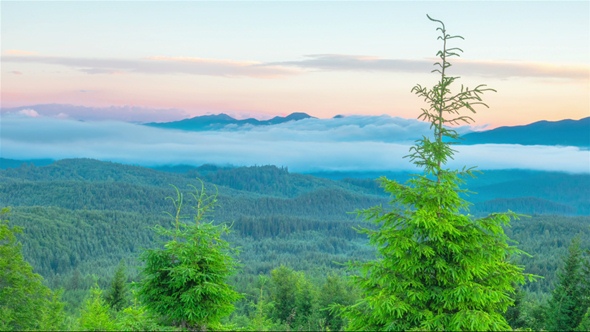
(523, 69)
(31, 113)
(487, 68)
(162, 65)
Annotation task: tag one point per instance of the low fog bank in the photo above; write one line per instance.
(355, 143)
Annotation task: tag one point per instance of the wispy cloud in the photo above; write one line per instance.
(504, 69)
(314, 62)
(499, 69)
(116, 113)
(335, 62)
(351, 145)
(160, 65)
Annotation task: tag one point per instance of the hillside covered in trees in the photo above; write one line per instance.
(81, 218)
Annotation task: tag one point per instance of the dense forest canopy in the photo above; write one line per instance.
(82, 217)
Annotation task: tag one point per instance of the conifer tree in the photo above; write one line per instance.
(335, 292)
(568, 304)
(585, 322)
(260, 320)
(117, 294)
(185, 281)
(136, 318)
(25, 302)
(439, 268)
(283, 289)
(95, 314)
(294, 299)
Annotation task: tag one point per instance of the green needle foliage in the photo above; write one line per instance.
(95, 315)
(116, 296)
(568, 303)
(439, 267)
(25, 303)
(185, 282)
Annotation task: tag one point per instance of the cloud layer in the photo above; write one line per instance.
(498, 69)
(323, 62)
(350, 143)
(160, 65)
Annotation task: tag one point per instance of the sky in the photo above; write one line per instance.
(153, 61)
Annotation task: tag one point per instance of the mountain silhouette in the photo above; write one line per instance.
(219, 121)
(564, 132)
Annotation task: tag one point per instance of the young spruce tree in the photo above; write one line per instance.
(116, 296)
(568, 303)
(185, 282)
(439, 268)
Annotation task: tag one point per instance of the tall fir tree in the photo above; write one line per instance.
(439, 268)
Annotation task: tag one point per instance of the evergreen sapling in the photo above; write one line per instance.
(438, 267)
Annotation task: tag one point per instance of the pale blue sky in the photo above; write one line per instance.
(548, 31)
(258, 33)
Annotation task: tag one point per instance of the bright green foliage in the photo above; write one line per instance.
(585, 322)
(95, 314)
(260, 320)
(185, 282)
(335, 292)
(294, 299)
(283, 289)
(54, 318)
(117, 295)
(568, 304)
(439, 268)
(136, 318)
(25, 303)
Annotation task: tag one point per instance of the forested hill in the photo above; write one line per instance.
(523, 191)
(82, 216)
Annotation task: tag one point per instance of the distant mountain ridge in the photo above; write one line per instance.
(219, 121)
(551, 133)
(556, 133)
(564, 132)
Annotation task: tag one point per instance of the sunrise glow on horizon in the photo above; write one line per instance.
(264, 59)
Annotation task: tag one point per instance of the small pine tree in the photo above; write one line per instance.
(117, 297)
(283, 291)
(567, 305)
(95, 315)
(185, 282)
(334, 293)
(438, 268)
(136, 318)
(294, 299)
(260, 320)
